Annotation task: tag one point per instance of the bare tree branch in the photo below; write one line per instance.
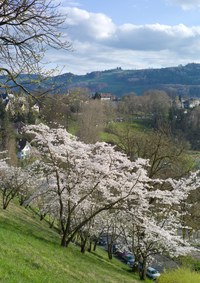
(27, 29)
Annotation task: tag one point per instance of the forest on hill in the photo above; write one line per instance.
(180, 80)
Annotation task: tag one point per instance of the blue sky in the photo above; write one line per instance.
(142, 11)
(131, 34)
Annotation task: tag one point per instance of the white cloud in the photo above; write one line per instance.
(90, 27)
(97, 57)
(100, 44)
(154, 37)
(187, 4)
(87, 25)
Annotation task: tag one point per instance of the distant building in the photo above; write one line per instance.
(191, 103)
(104, 96)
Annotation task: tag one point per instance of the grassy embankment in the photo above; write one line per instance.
(182, 275)
(139, 126)
(30, 253)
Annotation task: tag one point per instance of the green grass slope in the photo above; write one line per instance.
(31, 252)
(182, 275)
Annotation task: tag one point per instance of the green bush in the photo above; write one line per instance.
(180, 275)
(190, 263)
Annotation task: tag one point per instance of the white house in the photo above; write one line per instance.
(24, 149)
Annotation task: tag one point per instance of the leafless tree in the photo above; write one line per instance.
(167, 155)
(27, 29)
(92, 120)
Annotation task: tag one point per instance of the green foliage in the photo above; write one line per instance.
(168, 156)
(180, 275)
(110, 133)
(120, 82)
(191, 263)
(30, 252)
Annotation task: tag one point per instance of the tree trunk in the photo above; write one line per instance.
(65, 229)
(4, 201)
(135, 267)
(95, 245)
(68, 241)
(83, 243)
(21, 201)
(90, 246)
(63, 241)
(51, 223)
(110, 246)
(142, 270)
(42, 216)
(83, 247)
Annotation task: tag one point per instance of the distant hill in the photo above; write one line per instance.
(184, 80)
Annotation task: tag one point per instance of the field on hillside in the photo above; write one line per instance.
(30, 252)
(182, 275)
(137, 126)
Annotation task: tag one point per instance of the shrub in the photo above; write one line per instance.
(190, 263)
(180, 275)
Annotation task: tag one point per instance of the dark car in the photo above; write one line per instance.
(102, 242)
(129, 259)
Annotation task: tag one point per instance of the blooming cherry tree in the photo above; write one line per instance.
(154, 223)
(16, 181)
(83, 179)
(83, 182)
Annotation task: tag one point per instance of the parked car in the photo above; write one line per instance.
(131, 262)
(118, 253)
(152, 273)
(102, 242)
(129, 259)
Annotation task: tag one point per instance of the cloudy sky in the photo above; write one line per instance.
(131, 34)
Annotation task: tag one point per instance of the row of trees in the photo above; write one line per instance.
(85, 188)
(154, 109)
(160, 109)
(89, 117)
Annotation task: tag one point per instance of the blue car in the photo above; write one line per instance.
(128, 258)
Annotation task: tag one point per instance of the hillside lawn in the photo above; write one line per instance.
(30, 252)
(137, 126)
(182, 275)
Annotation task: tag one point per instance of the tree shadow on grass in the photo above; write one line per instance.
(34, 231)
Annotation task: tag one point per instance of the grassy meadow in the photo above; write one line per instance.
(180, 275)
(30, 252)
